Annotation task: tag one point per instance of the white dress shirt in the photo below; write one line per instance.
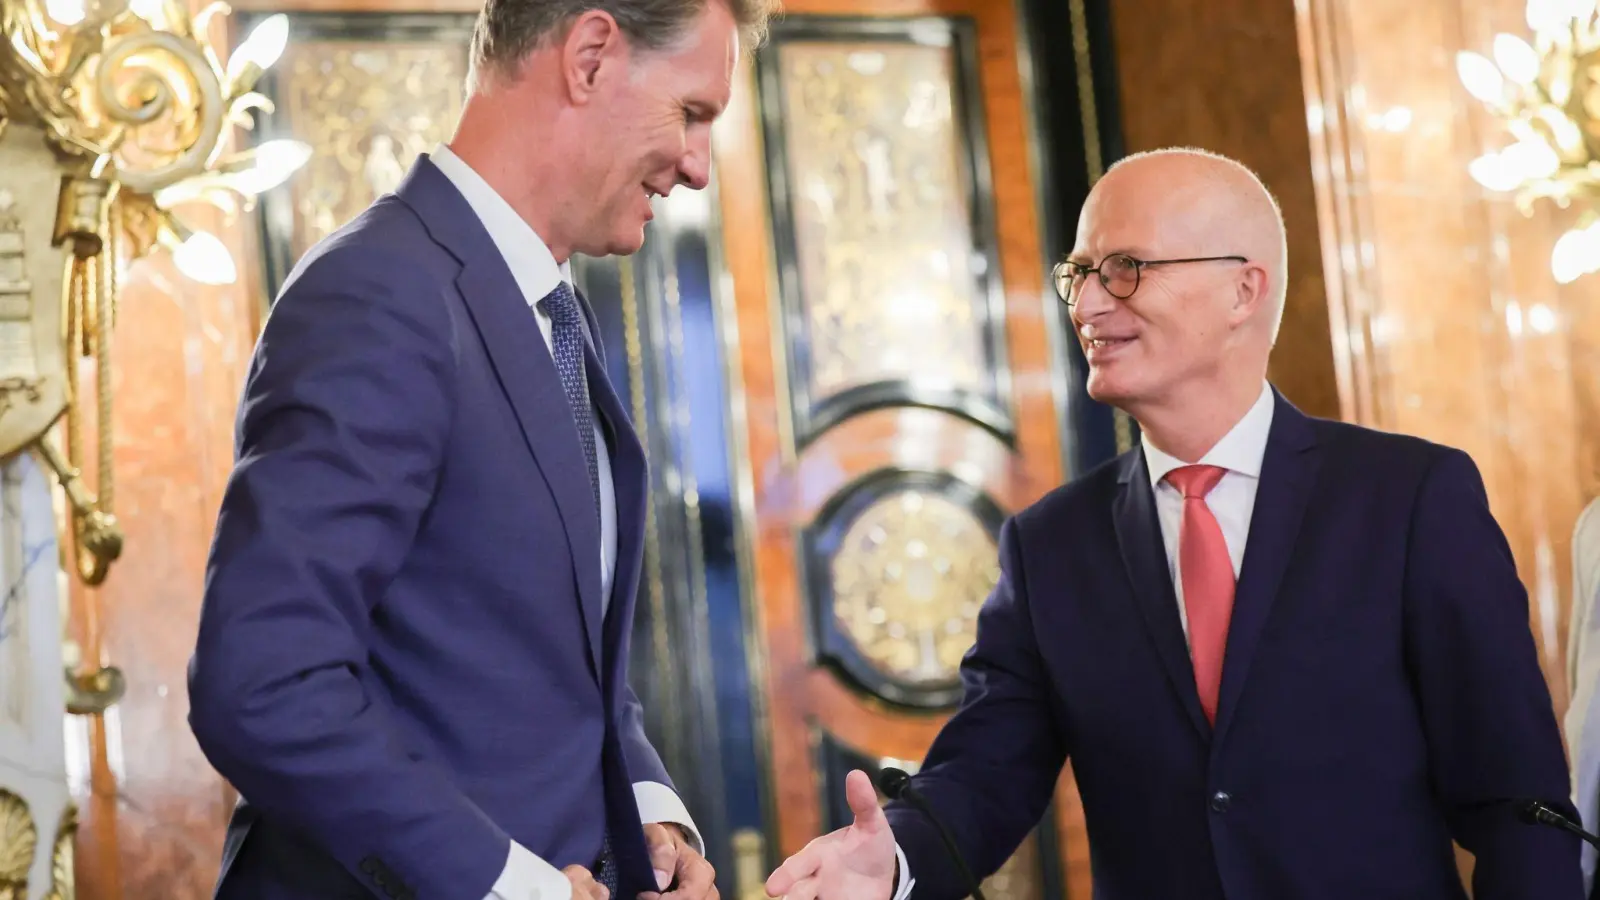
(526, 876)
(1232, 501)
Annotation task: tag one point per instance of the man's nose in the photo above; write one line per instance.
(1093, 300)
(694, 170)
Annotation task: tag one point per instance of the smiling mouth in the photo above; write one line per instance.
(1109, 342)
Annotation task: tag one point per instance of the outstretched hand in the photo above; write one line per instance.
(853, 863)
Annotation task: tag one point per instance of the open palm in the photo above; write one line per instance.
(853, 863)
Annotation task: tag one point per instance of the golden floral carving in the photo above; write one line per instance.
(908, 580)
(19, 838)
(62, 883)
(368, 109)
(882, 223)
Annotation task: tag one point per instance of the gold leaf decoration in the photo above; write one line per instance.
(18, 840)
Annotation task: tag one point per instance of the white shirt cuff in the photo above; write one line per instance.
(903, 880)
(527, 877)
(659, 803)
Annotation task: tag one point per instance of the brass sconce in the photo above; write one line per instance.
(1547, 94)
(125, 106)
(114, 114)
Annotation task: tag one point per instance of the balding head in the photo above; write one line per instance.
(1211, 195)
(1190, 309)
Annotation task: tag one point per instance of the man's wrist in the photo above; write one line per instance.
(661, 805)
(526, 876)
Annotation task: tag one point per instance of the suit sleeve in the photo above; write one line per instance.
(1489, 721)
(653, 791)
(991, 772)
(341, 435)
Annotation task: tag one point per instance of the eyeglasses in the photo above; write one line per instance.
(1119, 274)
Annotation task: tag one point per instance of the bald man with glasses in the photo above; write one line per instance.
(1288, 658)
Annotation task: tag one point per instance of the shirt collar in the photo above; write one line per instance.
(527, 255)
(1240, 450)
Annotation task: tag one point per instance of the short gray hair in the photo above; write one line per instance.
(508, 30)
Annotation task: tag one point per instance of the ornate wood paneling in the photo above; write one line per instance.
(878, 178)
(821, 312)
(368, 92)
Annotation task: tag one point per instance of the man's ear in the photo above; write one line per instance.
(594, 48)
(1250, 292)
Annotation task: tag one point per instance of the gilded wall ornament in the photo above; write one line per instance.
(19, 839)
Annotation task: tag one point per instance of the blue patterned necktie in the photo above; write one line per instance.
(566, 344)
(567, 327)
(608, 874)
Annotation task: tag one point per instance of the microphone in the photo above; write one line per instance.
(896, 785)
(1533, 812)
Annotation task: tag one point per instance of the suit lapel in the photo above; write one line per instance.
(629, 481)
(1144, 557)
(526, 372)
(1288, 475)
(529, 378)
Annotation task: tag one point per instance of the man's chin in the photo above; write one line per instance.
(627, 246)
(620, 244)
(1104, 389)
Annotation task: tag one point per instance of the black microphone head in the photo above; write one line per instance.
(893, 782)
(1528, 811)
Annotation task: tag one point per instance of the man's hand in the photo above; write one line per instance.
(677, 866)
(854, 863)
(584, 887)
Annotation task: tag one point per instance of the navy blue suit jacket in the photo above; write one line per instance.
(1381, 692)
(402, 663)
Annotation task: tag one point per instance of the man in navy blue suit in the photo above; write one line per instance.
(1288, 658)
(412, 659)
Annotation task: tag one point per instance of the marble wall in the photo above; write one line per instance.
(1446, 322)
(33, 771)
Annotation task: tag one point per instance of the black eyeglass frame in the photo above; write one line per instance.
(1063, 282)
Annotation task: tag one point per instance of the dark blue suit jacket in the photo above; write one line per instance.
(1381, 692)
(402, 663)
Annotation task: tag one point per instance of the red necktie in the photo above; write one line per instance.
(1208, 582)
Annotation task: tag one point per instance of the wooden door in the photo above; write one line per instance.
(897, 361)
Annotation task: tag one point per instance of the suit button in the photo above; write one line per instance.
(369, 865)
(1220, 801)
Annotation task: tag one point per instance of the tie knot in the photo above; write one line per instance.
(561, 305)
(1195, 482)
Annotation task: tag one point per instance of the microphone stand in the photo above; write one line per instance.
(896, 785)
(1533, 812)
